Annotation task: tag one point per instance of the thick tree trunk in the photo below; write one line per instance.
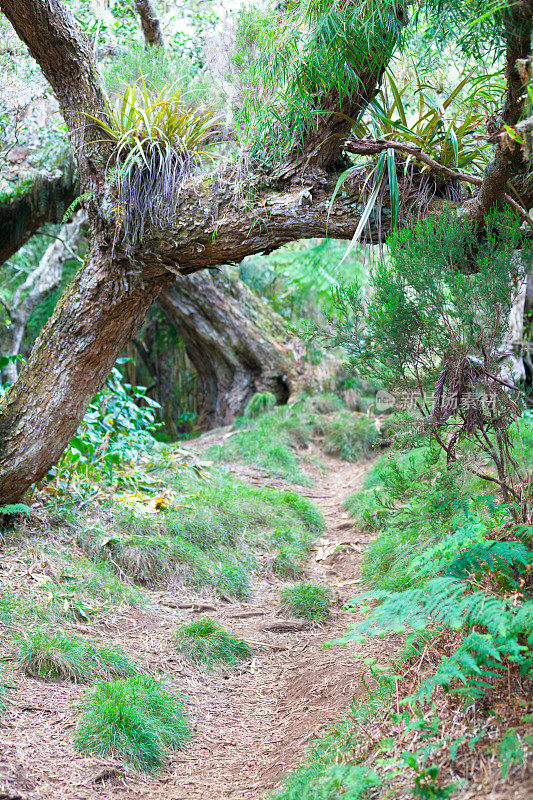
(151, 25)
(235, 341)
(92, 324)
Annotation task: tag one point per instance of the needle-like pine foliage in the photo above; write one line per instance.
(431, 326)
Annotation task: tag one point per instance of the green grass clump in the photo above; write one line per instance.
(136, 719)
(306, 600)
(212, 540)
(60, 656)
(206, 643)
(259, 404)
(350, 437)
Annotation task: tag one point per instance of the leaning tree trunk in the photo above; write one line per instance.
(151, 25)
(102, 309)
(237, 344)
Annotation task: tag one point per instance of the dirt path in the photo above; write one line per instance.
(251, 725)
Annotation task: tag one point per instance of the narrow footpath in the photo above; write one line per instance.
(252, 724)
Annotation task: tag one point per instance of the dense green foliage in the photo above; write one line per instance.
(136, 719)
(206, 643)
(452, 567)
(118, 427)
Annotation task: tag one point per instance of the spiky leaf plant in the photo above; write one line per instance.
(306, 600)
(206, 643)
(60, 656)
(159, 140)
(136, 719)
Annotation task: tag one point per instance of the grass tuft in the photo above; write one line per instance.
(306, 600)
(59, 656)
(136, 719)
(259, 404)
(206, 643)
(350, 437)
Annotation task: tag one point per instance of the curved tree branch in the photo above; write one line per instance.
(45, 200)
(374, 146)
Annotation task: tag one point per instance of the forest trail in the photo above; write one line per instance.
(251, 724)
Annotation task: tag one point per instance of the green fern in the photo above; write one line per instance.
(448, 603)
(75, 204)
(497, 556)
(14, 508)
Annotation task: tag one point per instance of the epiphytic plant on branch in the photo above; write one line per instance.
(159, 141)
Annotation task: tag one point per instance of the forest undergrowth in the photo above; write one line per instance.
(179, 527)
(144, 533)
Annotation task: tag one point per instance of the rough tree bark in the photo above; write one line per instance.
(216, 220)
(234, 340)
(36, 288)
(153, 33)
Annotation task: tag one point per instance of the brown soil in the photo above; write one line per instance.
(251, 724)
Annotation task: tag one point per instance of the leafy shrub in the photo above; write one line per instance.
(259, 404)
(115, 429)
(315, 781)
(350, 437)
(206, 643)
(60, 656)
(136, 719)
(306, 600)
